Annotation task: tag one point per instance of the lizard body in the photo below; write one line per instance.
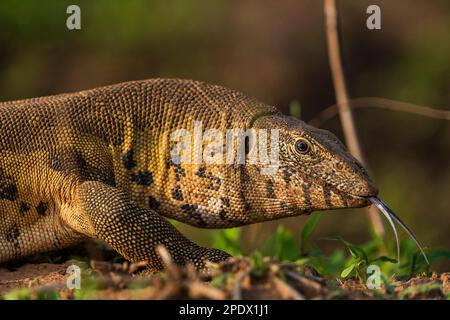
(97, 164)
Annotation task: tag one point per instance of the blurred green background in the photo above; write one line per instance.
(276, 52)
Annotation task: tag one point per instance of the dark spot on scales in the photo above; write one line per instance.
(89, 172)
(177, 194)
(24, 207)
(214, 184)
(223, 214)
(327, 196)
(225, 201)
(287, 174)
(128, 160)
(72, 161)
(191, 209)
(169, 163)
(270, 190)
(8, 189)
(201, 172)
(109, 180)
(143, 178)
(80, 161)
(344, 198)
(153, 203)
(177, 168)
(42, 208)
(306, 196)
(247, 206)
(13, 234)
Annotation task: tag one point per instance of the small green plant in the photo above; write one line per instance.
(283, 246)
(359, 261)
(307, 231)
(419, 264)
(259, 266)
(90, 284)
(18, 294)
(29, 294)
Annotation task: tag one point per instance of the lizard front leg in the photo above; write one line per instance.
(106, 213)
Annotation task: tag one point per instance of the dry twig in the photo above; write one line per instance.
(348, 126)
(382, 103)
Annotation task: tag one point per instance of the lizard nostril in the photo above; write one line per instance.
(372, 189)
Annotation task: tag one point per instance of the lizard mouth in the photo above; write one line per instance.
(356, 201)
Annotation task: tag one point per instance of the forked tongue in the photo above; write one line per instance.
(391, 217)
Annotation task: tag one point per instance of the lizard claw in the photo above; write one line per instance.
(202, 255)
(216, 255)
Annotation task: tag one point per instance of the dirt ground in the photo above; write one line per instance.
(238, 278)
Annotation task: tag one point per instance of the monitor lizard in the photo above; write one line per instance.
(97, 164)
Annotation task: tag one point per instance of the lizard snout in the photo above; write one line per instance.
(365, 190)
(359, 183)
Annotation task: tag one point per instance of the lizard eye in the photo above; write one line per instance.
(302, 146)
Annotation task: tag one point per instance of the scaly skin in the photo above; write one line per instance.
(96, 164)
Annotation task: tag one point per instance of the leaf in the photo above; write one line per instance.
(357, 252)
(418, 262)
(227, 240)
(218, 281)
(412, 269)
(384, 259)
(258, 264)
(347, 271)
(308, 229)
(301, 261)
(48, 295)
(282, 245)
(354, 250)
(438, 254)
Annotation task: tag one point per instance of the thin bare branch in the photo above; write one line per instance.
(345, 113)
(382, 103)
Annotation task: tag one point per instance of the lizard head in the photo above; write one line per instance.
(315, 170)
